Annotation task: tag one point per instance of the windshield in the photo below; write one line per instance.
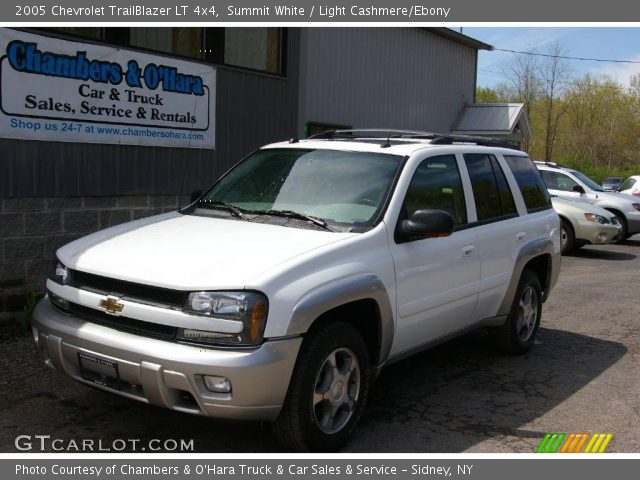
(336, 186)
(587, 181)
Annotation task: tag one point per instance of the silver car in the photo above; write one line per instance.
(583, 224)
(574, 185)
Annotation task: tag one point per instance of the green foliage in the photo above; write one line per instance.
(24, 318)
(487, 95)
(598, 131)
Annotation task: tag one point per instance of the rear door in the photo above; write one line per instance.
(498, 227)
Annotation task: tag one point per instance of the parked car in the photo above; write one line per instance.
(583, 223)
(612, 184)
(281, 292)
(574, 185)
(631, 186)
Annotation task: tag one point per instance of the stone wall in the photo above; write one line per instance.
(32, 229)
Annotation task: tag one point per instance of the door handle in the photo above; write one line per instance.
(520, 235)
(468, 250)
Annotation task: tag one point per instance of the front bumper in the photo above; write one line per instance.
(169, 374)
(596, 233)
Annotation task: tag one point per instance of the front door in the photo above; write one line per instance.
(437, 278)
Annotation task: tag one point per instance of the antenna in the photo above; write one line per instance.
(387, 144)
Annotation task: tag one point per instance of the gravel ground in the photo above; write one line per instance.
(582, 376)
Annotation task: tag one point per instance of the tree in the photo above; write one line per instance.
(556, 76)
(524, 78)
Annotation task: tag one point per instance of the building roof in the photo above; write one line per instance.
(459, 38)
(492, 119)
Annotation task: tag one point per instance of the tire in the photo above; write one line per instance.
(624, 231)
(518, 333)
(324, 404)
(567, 237)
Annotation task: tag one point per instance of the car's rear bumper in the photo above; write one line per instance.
(164, 373)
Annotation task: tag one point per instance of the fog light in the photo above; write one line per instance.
(602, 237)
(217, 384)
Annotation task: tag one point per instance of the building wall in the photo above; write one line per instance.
(54, 192)
(406, 78)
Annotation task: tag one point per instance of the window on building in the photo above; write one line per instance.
(491, 191)
(186, 42)
(255, 48)
(436, 184)
(533, 189)
(115, 35)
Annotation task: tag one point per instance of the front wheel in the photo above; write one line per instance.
(567, 238)
(518, 333)
(328, 390)
(624, 230)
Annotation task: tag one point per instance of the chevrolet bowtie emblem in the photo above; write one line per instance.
(111, 305)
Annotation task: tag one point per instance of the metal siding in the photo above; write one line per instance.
(384, 77)
(251, 109)
(490, 117)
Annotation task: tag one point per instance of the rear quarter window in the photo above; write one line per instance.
(533, 189)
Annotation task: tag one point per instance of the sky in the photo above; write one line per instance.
(605, 42)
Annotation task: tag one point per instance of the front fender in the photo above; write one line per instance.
(343, 291)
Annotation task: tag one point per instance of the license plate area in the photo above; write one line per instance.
(99, 370)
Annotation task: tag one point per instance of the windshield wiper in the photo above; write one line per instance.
(231, 208)
(292, 214)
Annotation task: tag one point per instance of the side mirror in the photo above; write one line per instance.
(195, 195)
(579, 189)
(427, 223)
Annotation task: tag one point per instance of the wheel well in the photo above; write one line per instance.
(617, 213)
(364, 315)
(569, 223)
(541, 266)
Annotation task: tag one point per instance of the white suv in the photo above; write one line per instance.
(281, 292)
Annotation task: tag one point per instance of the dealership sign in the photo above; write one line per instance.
(68, 91)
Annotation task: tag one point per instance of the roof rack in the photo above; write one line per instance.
(374, 133)
(549, 164)
(435, 138)
(482, 141)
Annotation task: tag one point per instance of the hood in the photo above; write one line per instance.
(615, 198)
(188, 252)
(566, 206)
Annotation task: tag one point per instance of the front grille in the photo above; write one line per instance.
(123, 324)
(156, 296)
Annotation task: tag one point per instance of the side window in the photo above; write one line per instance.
(558, 181)
(630, 182)
(533, 188)
(490, 188)
(436, 184)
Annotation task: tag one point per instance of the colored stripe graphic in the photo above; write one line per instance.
(573, 443)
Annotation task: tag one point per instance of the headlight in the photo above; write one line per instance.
(59, 273)
(592, 217)
(250, 308)
(636, 206)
